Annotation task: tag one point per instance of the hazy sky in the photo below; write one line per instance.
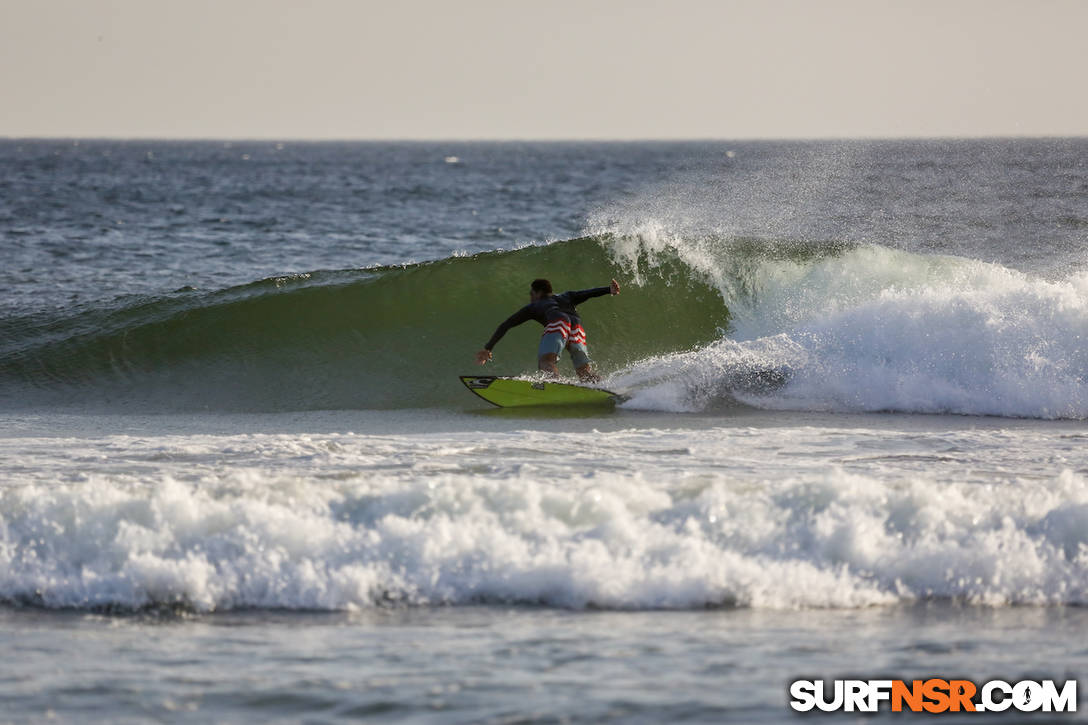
(544, 69)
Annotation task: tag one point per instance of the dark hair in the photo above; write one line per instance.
(542, 285)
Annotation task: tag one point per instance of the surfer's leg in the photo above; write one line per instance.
(551, 345)
(579, 355)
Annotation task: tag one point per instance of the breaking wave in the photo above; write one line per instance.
(703, 322)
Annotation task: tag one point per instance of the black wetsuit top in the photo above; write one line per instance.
(548, 309)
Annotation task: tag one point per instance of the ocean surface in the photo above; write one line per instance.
(240, 481)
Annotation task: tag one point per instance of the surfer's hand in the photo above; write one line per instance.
(483, 356)
(615, 287)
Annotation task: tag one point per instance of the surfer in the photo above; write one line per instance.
(562, 326)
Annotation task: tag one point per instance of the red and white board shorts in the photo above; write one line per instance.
(559, 335)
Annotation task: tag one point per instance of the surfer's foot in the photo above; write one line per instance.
(547, 364)
(586, 375)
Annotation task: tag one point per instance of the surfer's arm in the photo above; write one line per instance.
(577, 298)
(522, 315)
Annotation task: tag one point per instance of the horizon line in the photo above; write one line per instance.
(531, 139)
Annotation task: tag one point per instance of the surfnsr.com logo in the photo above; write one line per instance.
(934, 695)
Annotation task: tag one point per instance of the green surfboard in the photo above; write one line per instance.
(518, 393)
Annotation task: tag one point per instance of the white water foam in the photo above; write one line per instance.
(876, 329)
(628, 520)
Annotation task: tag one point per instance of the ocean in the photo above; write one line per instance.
(240, 481)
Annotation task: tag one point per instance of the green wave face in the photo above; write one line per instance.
(378, 338)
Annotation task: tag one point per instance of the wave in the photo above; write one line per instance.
(385, 337)
(703, 322)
